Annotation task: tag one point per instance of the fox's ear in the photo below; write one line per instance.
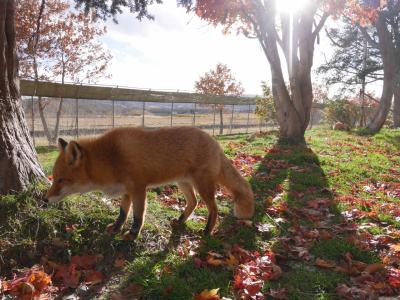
(62, 144)
(73, 154)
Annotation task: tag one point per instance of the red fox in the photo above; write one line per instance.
(126, 161)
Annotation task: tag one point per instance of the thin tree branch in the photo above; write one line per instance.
(320, 25)
(367, 36)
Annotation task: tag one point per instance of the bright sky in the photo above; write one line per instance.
(175, 49)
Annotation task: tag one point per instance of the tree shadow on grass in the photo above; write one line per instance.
(293, 194)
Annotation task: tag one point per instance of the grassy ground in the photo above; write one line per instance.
(324, 214)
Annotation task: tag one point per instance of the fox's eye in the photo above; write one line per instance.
(61, 180)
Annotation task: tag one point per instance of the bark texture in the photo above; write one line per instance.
(18, 160)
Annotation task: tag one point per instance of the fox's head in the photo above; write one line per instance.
(69, 172)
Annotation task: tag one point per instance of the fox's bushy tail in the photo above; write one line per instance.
(242, 194)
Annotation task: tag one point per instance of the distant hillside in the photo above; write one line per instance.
(100, 107)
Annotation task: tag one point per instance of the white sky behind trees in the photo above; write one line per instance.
(175, 49)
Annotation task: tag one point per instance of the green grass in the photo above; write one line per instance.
(335, 248)
(336, 164)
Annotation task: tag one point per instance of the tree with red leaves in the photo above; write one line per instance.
(219, 82)
(66, 49)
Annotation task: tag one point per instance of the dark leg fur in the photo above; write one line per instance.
(139, 209)
(136, 226)
(124, 209)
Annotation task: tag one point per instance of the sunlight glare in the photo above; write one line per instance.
(290, 6)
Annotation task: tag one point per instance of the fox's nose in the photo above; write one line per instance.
(45, 200)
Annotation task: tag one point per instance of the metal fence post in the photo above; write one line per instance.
(233, 110)
(77, 112)
(113, 107)
(214, 106)
(172, 111)
(113, 113)
(194, 114)
(143, 111)
(33, 121)
(248, 119)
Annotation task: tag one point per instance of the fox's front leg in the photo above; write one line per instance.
(124, 208)
(139, 210)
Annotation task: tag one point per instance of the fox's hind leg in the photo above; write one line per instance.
(191, 202)
(139, 210)
(124, 208)
(206, 189)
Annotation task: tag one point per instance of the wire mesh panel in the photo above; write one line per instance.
(157, 115)
(127, 113)
(184, 114)
(93, 116)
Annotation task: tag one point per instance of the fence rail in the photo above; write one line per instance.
(93, 92)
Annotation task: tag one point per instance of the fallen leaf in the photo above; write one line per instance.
(276, 272)
(394, 277)
(86, 261)
(208, 295)
(215, 259)
(231, 260)
(319, 262)
(29, 284)
(372, 268)
(247, 223)
(280, 293)
(94, 277)
(264, 227)
(119, 262)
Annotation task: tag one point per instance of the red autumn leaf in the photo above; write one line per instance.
(372, 268)
(208, 295)
(394, 277)
(119, 262)
(86, 261)
(324, 263)
(94, 277)
(29, 284)
(68, 274)
(215, 259)
(198, 262)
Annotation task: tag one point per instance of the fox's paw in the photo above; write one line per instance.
(130, 235)
(112, 229)
(175, 222)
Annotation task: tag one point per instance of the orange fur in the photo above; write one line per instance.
(126, 161)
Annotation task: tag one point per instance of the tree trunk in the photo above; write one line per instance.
(46, 130)
(18, 160)
(221, 121)
(57, 126)
(297, 44)
(389, 58)
(396, 108)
